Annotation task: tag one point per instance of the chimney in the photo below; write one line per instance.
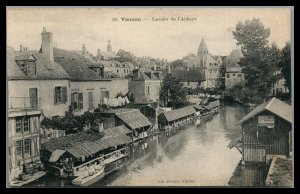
(136, 74)
(21, 48)
(47, 44)
(154, 67)
(109, 48)
(169, 69)
(83, 49)
(98, 52)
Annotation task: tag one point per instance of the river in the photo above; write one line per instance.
(195, 156)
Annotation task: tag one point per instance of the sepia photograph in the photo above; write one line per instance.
(149, 96)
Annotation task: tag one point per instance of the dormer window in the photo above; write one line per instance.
(28, 66)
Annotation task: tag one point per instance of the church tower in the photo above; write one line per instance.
(202, 50)
(109, 48)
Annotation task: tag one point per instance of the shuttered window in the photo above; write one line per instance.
(60, 95)
(80, 100)
(77, 100)
(91, 100)
(65, 94)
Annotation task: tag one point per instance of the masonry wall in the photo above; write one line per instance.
(96, 87)
(16, 163)
(233, 78)
(45, 93)
(154, 89)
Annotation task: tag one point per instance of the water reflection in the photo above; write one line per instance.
(194, 156)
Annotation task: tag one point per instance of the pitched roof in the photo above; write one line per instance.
(190, 74)
(76, 65)
(179, 113)
(202, 48)
(273, 105)
(122, 129)
(13, 70)
(133, 118)
(146, 74)
(84, 144)
(45, 69)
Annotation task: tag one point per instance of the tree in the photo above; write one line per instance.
(124, 56)
(259, 61)
(172, 93)
(177, 64)
(285, 64)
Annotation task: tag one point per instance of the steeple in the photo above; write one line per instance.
(202, 50)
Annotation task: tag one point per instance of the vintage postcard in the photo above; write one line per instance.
(136, 96)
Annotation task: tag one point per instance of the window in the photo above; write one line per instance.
(27, 147)
(60, 95)
(91, 100)
(147, 90)
(228, 75)
(77, 101)
(24, 67)
(233, 74)
(117, 70)
(239, 75)
(19, 145)
(18, 125)
(26, 124)
(124, 70)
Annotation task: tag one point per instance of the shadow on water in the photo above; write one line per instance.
(207, 138)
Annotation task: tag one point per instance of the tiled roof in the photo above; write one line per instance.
(192, 75)
(179, 113)
(44, 68)
(133, 118)
(146, 74)
(122, 129)
(83, 144)
(76, 65)
(279, 108)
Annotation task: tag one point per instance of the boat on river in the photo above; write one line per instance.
(90, 177)
(91, 172)
(211, 108)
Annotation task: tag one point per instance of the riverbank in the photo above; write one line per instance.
(281, 172)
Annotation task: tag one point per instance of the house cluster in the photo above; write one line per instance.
(52, 81)
(215, 71)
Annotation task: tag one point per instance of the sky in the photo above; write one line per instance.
(72, 27)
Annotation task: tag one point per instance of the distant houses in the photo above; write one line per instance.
(233, 74)
(145, 85)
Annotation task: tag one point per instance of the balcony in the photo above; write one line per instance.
(24, 103)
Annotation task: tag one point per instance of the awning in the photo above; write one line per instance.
(56, 155)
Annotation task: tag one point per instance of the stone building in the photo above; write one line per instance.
(89, 84)
(233, 74)
(145, 85)
(211, 65)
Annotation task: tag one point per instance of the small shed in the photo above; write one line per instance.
(177, 115)
(266, 130)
